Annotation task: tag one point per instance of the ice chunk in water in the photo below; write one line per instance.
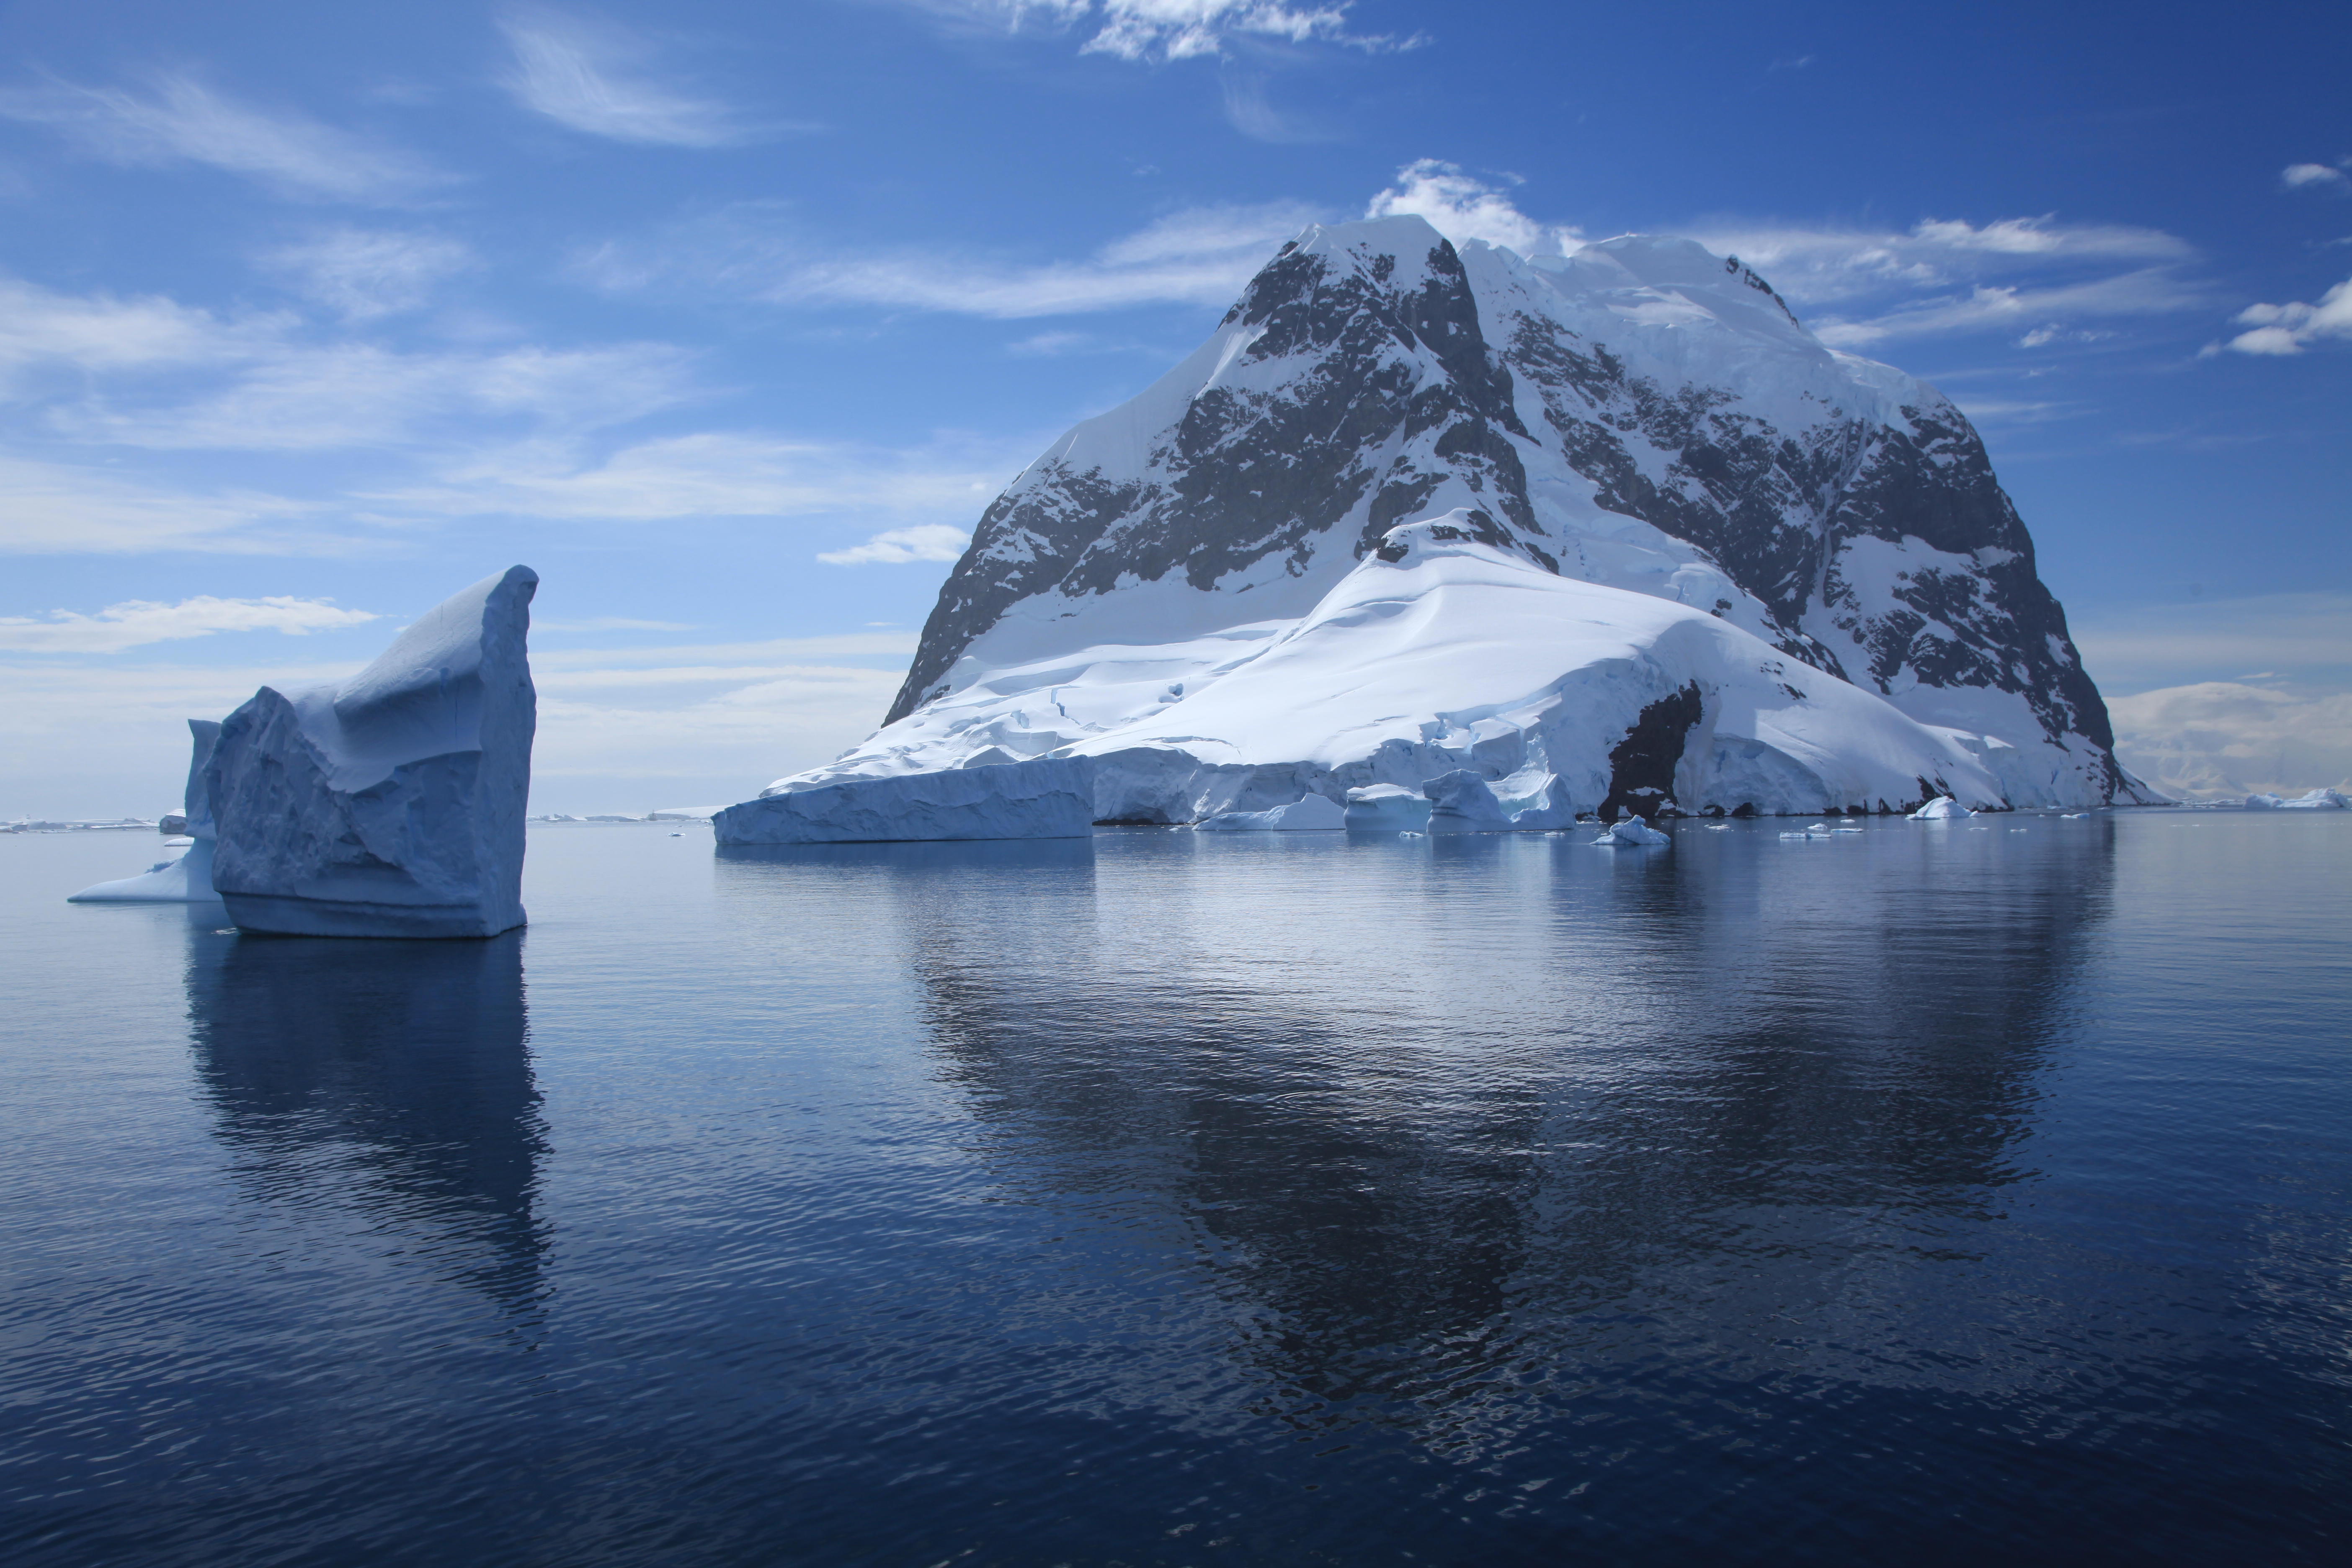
(1315, 813)
(1943, 808)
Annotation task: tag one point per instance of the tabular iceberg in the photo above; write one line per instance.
(391, 806)
(1010, 800)
(189, 879)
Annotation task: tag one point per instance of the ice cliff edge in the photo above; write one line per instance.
(391, 806)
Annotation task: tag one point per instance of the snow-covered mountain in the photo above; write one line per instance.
(1212, 588)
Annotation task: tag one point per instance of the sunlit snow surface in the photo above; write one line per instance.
(1452, 653)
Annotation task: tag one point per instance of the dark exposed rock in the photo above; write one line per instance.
(1641, 765)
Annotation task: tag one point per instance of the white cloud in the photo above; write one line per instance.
(898, 546)
(2228, 738)
(2290, 329)
(1177, 29)
(710, 474)
(363, 274)
(2305, 635)
(2005, 307)
(303, 398)
(2303, 176)
(1199, 257)
(1461, 208)
(1815, 265)
(181, 120)
(589, 77)
(135, 622)
(56, 508)
(98, 333)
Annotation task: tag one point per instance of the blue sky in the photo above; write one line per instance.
(730, 318)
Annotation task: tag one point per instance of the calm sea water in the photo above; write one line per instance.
(1959, 1194)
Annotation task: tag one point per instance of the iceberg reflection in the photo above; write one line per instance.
(382, 1088)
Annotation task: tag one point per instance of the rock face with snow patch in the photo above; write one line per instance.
(1641, 418)
(391, 806)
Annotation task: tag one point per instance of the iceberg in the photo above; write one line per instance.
(1548, 807)
(1048, 798)
(189, 879)
(1387, 808)
(1632, 833)
(1941, 809)
(1315, 813)
(2316, 800)
(1460, 802)
(391, 806)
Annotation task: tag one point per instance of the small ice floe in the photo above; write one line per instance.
(1849, 829)
(1943, 808)
(1847, 820)
(2017, 830)
(677, 836)
(1631, 832)
(1718, 827)
(1409, 834)
(2073, 815)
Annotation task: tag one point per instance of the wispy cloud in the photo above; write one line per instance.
(2150, 292)
(710, 474)
(1462, 207)
(2305, 635)
(2315, 176)
(135, 622)
(179, 119)
(1813, 265)
(2290, 329)
(64, 508)
(363, 274)
(592, 77)
(1176, 29)
(898, 546)
(1199, 257)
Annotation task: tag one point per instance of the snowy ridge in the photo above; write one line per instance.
(1643, 427)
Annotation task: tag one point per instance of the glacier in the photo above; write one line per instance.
(1734, 570)
(392, 805)
(1010, 800)
(187, 880)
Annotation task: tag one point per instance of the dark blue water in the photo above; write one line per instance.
(1958, 1194)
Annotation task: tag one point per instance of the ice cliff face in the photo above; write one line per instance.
(1644, 417)
(391, 806)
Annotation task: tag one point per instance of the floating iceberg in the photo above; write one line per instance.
(391, 806)
(1387, 808)
(1050, 798)
(1632, 833)
(1941, 809)
(1315, 813)
(1545, 807)
(189, 879)
(1460, 802)
(2317, 800)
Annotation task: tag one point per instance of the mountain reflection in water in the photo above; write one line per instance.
(1930, 1194)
